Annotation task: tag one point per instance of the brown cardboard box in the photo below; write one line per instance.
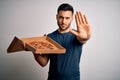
(24, 44)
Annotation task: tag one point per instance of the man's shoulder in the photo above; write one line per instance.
(52, 33)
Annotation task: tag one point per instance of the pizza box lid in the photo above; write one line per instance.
(16, 45)
(23, 44)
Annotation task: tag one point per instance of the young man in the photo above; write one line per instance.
(66, 66)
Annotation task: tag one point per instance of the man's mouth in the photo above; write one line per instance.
(63, 25)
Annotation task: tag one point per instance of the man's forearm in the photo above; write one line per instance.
(41, 59)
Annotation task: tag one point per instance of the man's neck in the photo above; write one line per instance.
(63, 31)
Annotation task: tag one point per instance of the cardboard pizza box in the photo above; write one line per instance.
(38, 45)
(16, 45)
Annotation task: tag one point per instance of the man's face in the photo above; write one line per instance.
(64, 19)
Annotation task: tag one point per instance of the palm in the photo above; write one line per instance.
(83, 28)
(83, 32)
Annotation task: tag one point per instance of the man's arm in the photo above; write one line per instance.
(83, 32)
(42, 59)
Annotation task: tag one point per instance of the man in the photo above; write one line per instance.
(66, 66)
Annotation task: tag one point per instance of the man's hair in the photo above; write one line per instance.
(65, 7)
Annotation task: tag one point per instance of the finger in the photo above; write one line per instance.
(77, 20)
(81, 17)
(85, 19)
(74, 32)
(45, 35)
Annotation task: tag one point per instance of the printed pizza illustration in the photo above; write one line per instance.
(41, 45)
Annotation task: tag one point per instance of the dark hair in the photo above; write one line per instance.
(65, 7)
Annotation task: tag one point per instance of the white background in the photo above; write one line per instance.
(29, 18)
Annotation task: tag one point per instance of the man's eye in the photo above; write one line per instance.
(61, 17)
(67, 18)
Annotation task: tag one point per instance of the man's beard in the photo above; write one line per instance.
(62, 28)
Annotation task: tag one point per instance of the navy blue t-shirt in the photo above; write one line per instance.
(65, 66)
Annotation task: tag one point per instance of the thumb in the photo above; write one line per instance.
(73, 32)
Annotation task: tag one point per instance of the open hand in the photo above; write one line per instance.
(83, 32)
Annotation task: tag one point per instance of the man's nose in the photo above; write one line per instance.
(63, 21)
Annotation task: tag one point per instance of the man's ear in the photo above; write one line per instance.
(72, 17)
(56, 16)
